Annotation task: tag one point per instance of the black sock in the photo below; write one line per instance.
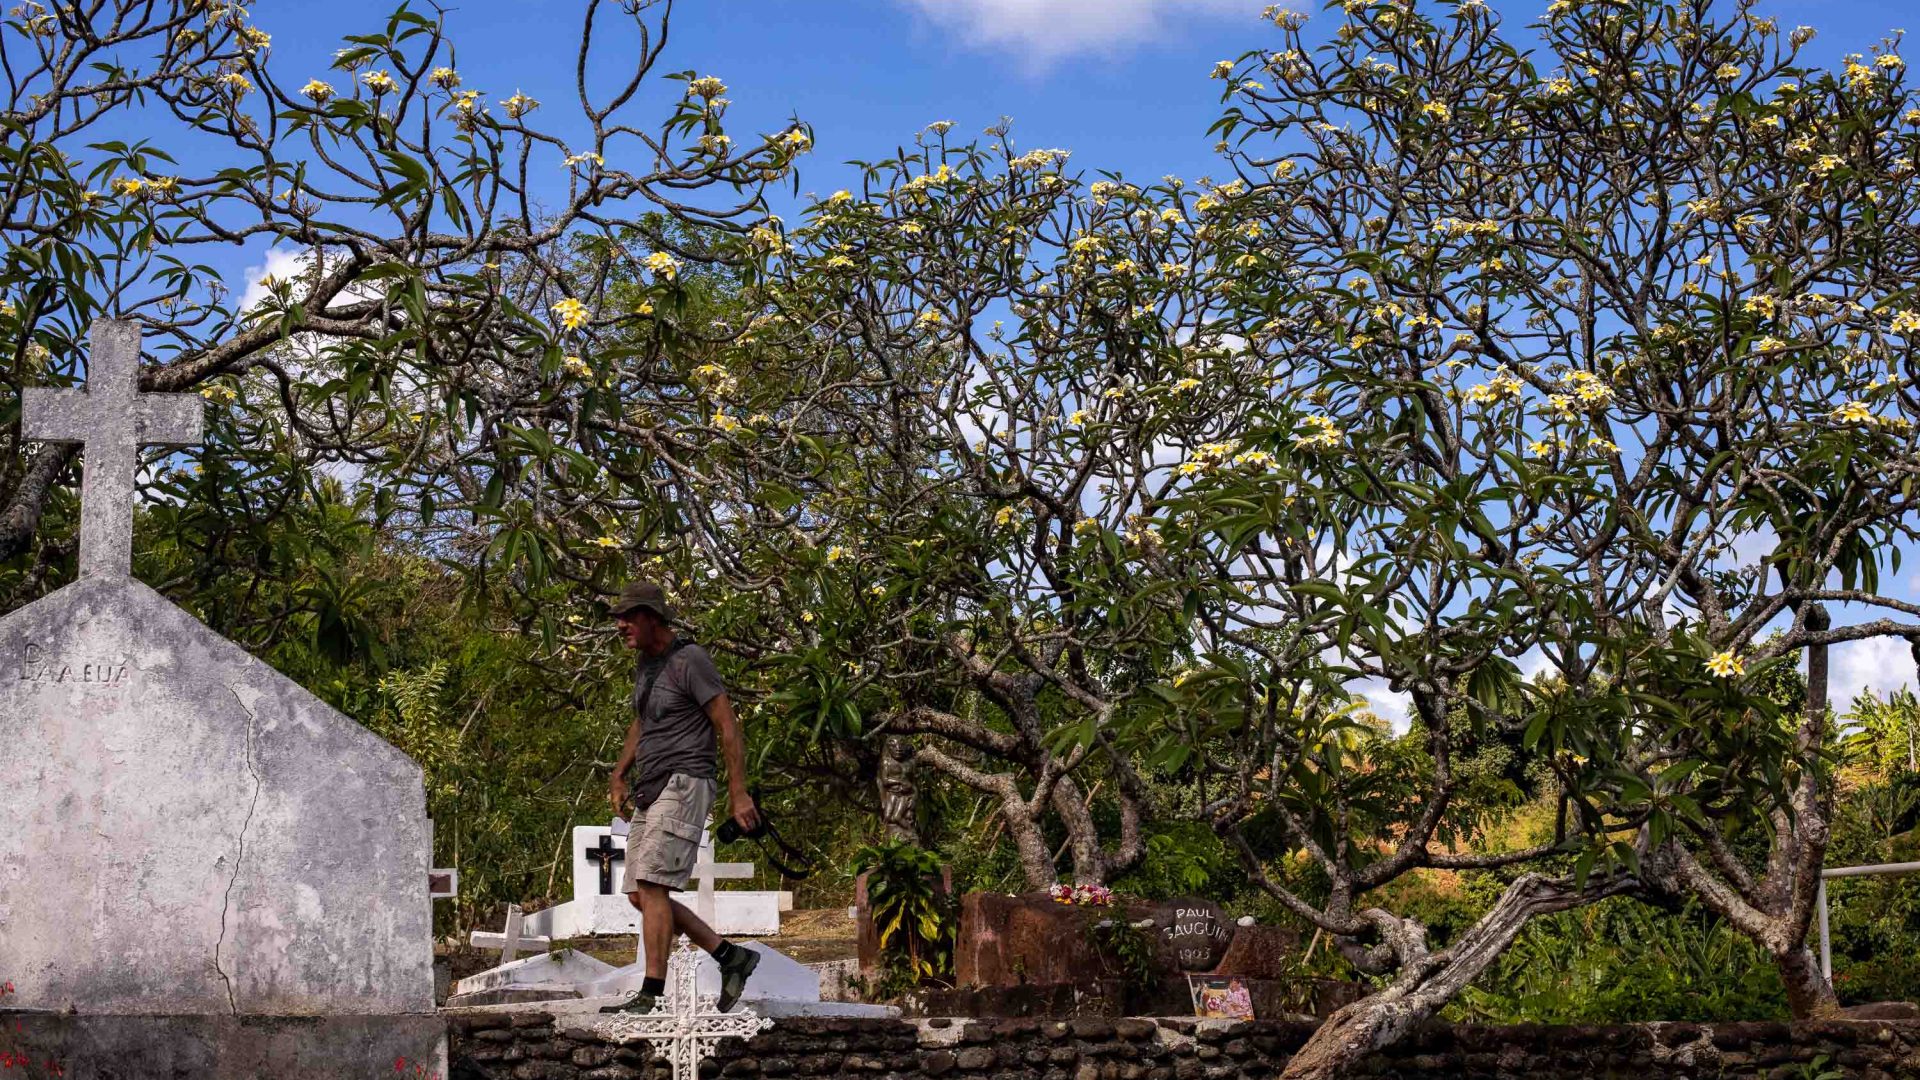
(656, 987)
(723, 952)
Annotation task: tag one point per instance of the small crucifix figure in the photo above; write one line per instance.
(113, 420)
(606, 855)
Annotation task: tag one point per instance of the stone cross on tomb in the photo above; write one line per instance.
(510, 942)
(606, 855)
(686, 1025)
(112, 419)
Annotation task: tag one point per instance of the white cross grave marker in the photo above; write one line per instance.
(687, 1025)
(112, 419)
(510, 943)
(706, 872)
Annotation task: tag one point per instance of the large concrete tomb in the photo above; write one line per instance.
(189, 832)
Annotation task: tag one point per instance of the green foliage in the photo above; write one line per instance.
(1128, 948)
(1884, 733)
(1183, 858)
(1619, 962)
(917, 921)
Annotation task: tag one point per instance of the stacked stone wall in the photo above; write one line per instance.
(530, 1046)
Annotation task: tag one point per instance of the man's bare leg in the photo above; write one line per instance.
(686, 922)
(656, 925)
(660, 918)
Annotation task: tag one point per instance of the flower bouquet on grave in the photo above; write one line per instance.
(1082, 895)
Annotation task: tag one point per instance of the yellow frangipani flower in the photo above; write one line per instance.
(1005, 515)
(664, 266)
(1727, 665)
(576, 367)
(724, 422)
(1437, 110)
(836, 553)
(444, 77)
(1853, 412)
(379, 82)
(1322, 434)
(605, 542)
(1222, 69)
(519, 105)
(1727, 72)
(237, 83)
(1079, 417)
(707, 86)
(1860, 78)
(222, 394)
(573, 314)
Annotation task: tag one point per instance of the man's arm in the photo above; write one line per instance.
(617, 788)
(720, 711)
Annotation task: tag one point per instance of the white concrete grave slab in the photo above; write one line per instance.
(734, 912)
(780, 986)
(568, 969)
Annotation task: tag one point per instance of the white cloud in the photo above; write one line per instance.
(281, 263)
(1042, 31)
(1394, 708)
(1877, 664)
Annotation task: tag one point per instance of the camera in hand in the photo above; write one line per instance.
(730, 830)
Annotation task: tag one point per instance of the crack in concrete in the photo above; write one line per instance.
(239, 854)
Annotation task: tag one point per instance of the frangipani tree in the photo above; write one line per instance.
(437, 330)
(1569, 326)
(1020, 362)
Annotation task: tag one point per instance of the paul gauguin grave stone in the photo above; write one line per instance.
(192, 844)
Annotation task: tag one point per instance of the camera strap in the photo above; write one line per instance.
(768, 832)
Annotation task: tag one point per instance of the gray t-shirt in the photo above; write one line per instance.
(675, 736)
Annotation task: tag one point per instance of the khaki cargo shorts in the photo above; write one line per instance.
(661, 849)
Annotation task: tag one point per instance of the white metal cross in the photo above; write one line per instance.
(112, 419)
(511, 942)
(687, 1025)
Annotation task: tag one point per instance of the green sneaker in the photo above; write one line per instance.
(640, 1002)
(734, 974)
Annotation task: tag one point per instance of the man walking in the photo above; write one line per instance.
(666, 770)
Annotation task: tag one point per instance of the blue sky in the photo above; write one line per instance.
(1121, 83)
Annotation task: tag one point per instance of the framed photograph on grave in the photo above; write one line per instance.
(1220, 997)
(443, 884)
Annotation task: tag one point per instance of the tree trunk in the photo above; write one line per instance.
(1083, 837)
(1427, 983)
(1348, 1036)
(1035, 859)
(1809, 996)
